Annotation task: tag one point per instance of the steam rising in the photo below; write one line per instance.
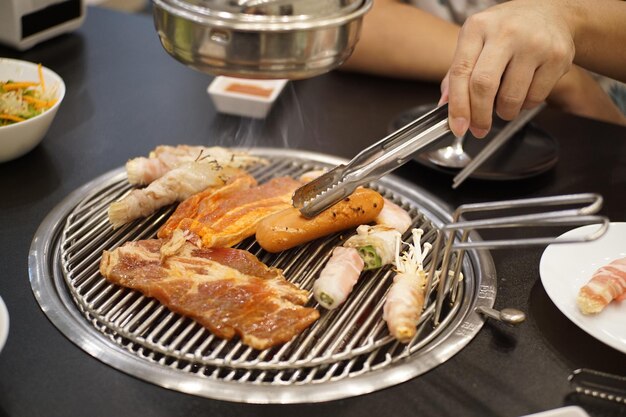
(284, 127)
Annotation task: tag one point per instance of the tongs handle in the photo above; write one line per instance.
(599, 384)
(453, 239)
(396, 149)
(572, 209)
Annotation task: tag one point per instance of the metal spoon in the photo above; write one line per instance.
(452, 156)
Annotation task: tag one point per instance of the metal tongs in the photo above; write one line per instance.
(372, 163)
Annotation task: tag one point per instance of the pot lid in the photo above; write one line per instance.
(267, 14)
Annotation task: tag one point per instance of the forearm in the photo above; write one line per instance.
(400, 40)
(578, 93)
(599, 32)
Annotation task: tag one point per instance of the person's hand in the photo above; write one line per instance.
(511, 56)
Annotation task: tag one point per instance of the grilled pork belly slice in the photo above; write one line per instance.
(225, 216)
(228, 291)
(204, 201)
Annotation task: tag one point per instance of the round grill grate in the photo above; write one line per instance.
(340, 355)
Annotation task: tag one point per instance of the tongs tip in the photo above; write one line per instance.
(317, 195)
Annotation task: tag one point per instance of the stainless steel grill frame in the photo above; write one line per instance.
(345, 353)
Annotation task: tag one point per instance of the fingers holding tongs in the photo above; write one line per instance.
(390, 153)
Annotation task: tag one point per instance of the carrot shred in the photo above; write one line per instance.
(37, 102)
(18, 85)
(11, 117)
(30, 94)
(41, 80)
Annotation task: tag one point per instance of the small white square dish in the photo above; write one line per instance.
(245, 97)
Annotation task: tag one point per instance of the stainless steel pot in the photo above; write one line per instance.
(260, 38)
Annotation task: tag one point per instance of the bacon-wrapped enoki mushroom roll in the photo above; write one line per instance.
(142, 171)
(405, 299)
(338, 277)
(377, 245)
(394, 216)
(607, 284)
(372, 247)
(176, 185)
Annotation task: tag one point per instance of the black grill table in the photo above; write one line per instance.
(126, 95)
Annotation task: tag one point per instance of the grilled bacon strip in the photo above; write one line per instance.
(228, 291)
(204, 201)
(608, 283)
(224, 217)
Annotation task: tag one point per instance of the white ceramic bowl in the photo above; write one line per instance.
(19, 138)
(242, 100)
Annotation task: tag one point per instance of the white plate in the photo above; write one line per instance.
(569, 411)
(565, 267)
(4, 323)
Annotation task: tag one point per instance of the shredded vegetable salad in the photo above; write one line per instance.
(22, 100)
